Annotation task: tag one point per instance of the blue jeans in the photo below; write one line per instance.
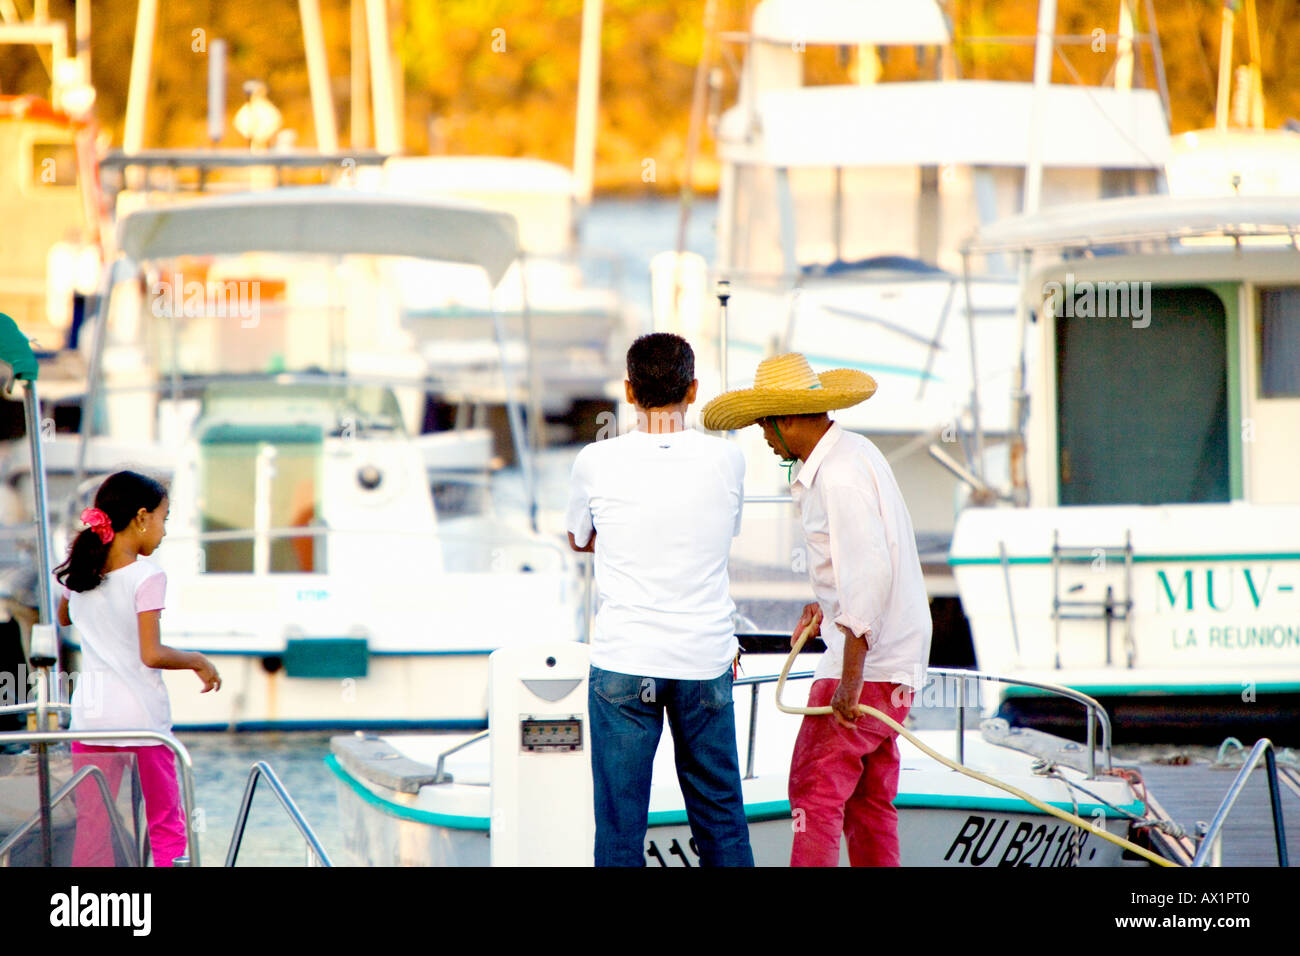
(626, 713)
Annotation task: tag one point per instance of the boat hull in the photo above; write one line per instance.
(1211, 634)
(382, 833)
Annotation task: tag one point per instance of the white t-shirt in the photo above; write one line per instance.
(116, 690)
(664, 508)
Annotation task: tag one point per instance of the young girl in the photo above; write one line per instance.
(114, 596)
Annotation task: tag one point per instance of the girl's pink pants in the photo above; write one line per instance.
(162, 803)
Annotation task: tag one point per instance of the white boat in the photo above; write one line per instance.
(842, 209)
(446, 800)
(306, 551)
(566, 324)
(1154, 563)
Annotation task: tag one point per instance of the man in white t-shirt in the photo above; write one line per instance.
(659, 507)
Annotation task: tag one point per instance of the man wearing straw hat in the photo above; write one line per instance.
(659, 506)
(871, 606)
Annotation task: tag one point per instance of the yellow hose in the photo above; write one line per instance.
(984, 778)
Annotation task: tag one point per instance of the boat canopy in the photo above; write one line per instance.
(841, 22)
(1139, 218)
(958, 122)
(329, 221)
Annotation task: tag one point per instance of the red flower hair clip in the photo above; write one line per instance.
(99, 523)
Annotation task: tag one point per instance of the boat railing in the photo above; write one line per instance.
(517, 540)
(190, 171)
(30, 707)
(440, 774)
(316, 855)
(1095, 714)
(1211, 848)
(183, 761)
(120, 832)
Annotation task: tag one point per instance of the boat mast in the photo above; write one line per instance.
(322, 103)
(1043, 54)
(584, 139)
(1254, 81)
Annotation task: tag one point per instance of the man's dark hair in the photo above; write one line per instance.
(661, 367)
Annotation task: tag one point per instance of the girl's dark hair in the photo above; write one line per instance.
(121, 497)
(660, 367)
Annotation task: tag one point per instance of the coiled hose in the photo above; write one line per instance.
(935, 755)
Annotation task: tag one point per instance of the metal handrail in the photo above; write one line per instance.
(114, 818)
(1095, 713)
(32, 706)
(316, 855)
(1212, 839)
(754, 683)
(439, 775)
(177, 748)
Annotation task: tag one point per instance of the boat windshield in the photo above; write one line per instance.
(331, 408)
(262, 314)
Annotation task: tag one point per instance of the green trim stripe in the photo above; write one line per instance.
(450, 821)
(1137, 558)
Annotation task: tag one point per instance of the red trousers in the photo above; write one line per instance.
(162, 803)
(845, 781)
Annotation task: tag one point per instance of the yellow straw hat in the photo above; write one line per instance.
(787, 385)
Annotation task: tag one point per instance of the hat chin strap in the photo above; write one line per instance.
(788, 462)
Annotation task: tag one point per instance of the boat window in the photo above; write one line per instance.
(1279, 342)
(756, 226)
(278, 465)
(338, 410)
(54, 164)
(226, 504)
(1142, 408)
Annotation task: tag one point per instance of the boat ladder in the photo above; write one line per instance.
(1108, 609)
(316, 855)
(1211, 848)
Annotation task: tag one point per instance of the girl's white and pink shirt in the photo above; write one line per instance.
(115, 689)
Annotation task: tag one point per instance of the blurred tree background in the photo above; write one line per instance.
(500, 76)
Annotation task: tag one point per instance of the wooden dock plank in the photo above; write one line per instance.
(1193, 792)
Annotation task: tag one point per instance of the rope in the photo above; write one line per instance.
(975, 774)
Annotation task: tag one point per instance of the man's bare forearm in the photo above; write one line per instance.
(588, 548)
(855, 652)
